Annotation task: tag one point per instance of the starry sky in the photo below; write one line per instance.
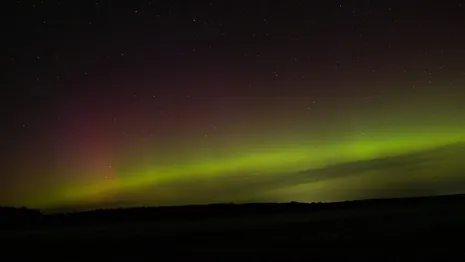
(124, 103)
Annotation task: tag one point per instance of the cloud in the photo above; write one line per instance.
(436, 171)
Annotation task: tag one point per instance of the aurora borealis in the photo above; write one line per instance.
(170, 103)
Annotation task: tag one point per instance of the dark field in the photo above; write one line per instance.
(389, 230)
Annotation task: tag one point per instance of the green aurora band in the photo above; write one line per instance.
(177, 181)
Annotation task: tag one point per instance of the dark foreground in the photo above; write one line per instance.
(379, 230)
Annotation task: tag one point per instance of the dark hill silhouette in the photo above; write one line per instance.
(22, 217)
(401, 229)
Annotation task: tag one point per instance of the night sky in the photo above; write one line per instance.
(193, 102)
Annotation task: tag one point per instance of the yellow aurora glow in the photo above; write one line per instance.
(280, 161)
